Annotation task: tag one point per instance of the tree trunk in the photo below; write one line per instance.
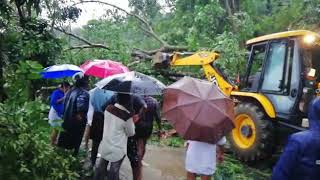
(269, 6)
(230, 14)
(235, 5)
(228, 8)
(19, 6)
(2, 56)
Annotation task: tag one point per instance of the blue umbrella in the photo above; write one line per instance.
(60, 71)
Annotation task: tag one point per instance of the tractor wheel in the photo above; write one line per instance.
(252, 138)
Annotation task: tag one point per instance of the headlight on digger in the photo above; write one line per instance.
(309, 39)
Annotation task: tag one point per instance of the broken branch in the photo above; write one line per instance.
(146, 27)
(89, 44)
(162, 49)
(149, 29)
(87, 47)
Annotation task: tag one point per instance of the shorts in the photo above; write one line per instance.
(54, 119)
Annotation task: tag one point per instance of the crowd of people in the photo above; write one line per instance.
(119, 125)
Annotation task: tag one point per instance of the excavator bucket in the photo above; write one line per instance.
(161, 60)
(164, 60)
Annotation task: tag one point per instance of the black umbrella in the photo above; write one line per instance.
(132, 83)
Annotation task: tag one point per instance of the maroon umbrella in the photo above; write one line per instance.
(198, 110)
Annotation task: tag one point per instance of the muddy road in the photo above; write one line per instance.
(161, 163)
(166, 163)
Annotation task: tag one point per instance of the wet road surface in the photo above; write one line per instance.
(161, 163)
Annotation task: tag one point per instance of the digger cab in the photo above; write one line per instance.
(281, 78)
(284, 67)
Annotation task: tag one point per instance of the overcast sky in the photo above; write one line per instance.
(95, 11)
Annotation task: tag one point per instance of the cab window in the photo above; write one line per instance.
(274, 69)
(254, 66)
(311, 58)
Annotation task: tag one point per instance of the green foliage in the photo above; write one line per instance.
(34, 43)
(175, 142)
(146, 8)
(275, 15)
(29, 70)
(232, 57)
(25, 149)
(101, 32)
(194, 23)
(234, 169)
(19, 80)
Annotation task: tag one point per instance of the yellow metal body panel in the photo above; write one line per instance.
(199, 58)
(204, 59)
(264, 101)
(282, 35)
(213, 76)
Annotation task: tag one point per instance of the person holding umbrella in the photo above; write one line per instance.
(98, 98)
(95, 116)
(117, 128)
(201, 158)
(74, 119)
(144, 126)
(56, 109)
(136, 84)
(137, 107)
(203, 115)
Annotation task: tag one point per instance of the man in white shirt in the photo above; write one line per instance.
(118, 127)
(95, 115)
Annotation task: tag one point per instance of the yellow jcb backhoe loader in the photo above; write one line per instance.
(282, 76)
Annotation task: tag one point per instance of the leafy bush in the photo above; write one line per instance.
(25, 152)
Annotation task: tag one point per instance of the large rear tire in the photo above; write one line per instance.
(252, 138)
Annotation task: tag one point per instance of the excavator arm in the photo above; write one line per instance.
(202, 58)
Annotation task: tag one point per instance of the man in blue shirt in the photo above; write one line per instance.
(94, 130)
(301, 156)
(56, 108)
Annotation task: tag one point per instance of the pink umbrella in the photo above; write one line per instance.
(103, 68)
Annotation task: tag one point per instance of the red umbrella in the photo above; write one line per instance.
(198, 110)
(103, 68)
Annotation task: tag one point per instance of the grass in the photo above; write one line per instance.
(234, 169)
(173, 141)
